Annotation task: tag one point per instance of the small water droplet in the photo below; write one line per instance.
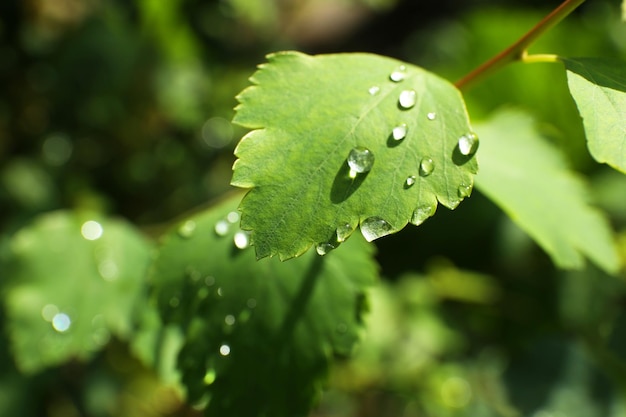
(360, 160)
(422, 212)
(174, 302)
(398, 74)
(91, 230)
(407, 99)
(399, 132)
(410, 181)
(242, 239)
(431, 116)
(224, 350)
(229, 320)
(374, 90)
(323, 248)
(49, 311)
(61, 322)
(375, 227)
(251, 303)
(221, 227)
(464, 190)
(186, 229)
(209, 280)
(210, 376)
(343, 232)
(108, 270)
(232, 217)
(220, 292)
(427, 166)
(468, 144)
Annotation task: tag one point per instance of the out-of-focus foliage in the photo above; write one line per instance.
(124, 108)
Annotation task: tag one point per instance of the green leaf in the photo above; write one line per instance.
(598, 86)
(529, 180)
(74, 279)
(309, 113)
(259, 335)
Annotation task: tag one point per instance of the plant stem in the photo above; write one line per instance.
(517, 51)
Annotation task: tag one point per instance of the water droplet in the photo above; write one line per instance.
(229, 320)
(174, 302)
(464, 190)
(374, 90)
(221, 227)
(398, 74)
(186, 229)
(91, 230)
(343, 232)
(410, 181)
(431, 116)
(220, 292)
(210, 376)
(323, 248)
(407, 99)
(49, 311)
(224, 350)
(209, 280)
(375, 227)
(242, 239)
(468, 144)
(61, 322)
(422, 212)
(427, 166)
(399, 132)
(108, 270)
(251, 303)
(360, 160)
(232, 217)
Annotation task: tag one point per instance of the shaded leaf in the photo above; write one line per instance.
(309, 113)
(74, 280)
(252, 326)
(598, 86)
(529, 180)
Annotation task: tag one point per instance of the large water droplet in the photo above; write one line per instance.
(468, 144)
(422, 212)
(242, 239)
(407, 99)
(431, 116)
(360, 160)
(375, 227)
(464, 190)
(343, 232)
(210, 376)
(224, 350)
(399, 132)
(398, 74)
(373, 90)
(325, 247)
(427, 166)
(187, 229)
(221, 227)
(410, 181)
(61, 322)
(91, 230)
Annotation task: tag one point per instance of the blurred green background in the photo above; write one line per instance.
(124, 107)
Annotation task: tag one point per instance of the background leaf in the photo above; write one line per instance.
(598, 86)
(250, 326)
(309, 113)
(75, 279)
(528, 179)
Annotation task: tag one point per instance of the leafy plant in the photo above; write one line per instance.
(232, 312)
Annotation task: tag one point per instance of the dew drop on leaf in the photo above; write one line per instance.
(242, 239)
(323, 248)
(410, 181)
(464, 190)
(399, 132)
(398, 74)
(343, 232)
(468, 144)
(221, 227)
(232, 217)
(61, 322)
(407, 99)
(91, 230)
(375, 227)
(431, 116)
(360, 160)
(373, 90)
(229, 320)
(427, 166)
(187, 229)
(422, 212)
(224, 350)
